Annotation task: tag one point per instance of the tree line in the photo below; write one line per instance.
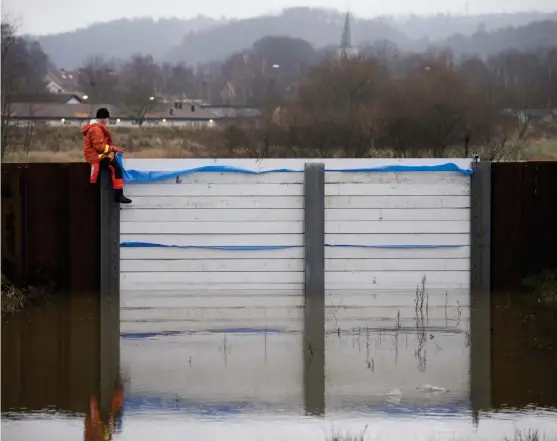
(388, 102)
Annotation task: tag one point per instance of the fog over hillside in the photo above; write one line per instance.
(204, 39)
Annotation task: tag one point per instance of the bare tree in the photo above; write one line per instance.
(177, 81)
(349, 97)
(23, 70)
(9, 62)
(138, 86)
(98, 79)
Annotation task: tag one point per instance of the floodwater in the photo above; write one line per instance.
(164, 373)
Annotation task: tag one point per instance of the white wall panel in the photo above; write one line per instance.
(409, 202)
(397, 253)
(374, 239)
(396, 227)
(133, 253)
(213, 265)
(217, 228)
(211, 202)
(396, 189)
(397, 210)
(398, 214)
(366, 213)
(213, 215)
(235, 190)
(374, 342)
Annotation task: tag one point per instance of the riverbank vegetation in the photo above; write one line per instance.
(18, 298)
(542, 288)
(519, 435)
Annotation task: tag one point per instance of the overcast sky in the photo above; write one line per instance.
(44, 17)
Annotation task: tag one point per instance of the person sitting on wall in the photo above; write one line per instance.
(97, 149)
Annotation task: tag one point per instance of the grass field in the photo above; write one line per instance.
(65, 144)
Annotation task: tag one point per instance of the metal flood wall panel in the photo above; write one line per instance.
(387, 230)
(238, 250)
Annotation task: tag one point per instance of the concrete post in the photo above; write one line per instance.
(480, 284)
(109, 291)
(314, 311)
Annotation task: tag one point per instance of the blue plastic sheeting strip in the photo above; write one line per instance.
(392, 246)
(449, 166)
(271, 247)
(152, 176)
(212, 247)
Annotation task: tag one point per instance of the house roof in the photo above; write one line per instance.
(233, 111)
(60, 98)
(66, 79)
(184, 113)
(56, 110)
(84, 111)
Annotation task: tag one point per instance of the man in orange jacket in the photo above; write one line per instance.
(97, 147)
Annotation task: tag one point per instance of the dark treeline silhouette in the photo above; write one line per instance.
(389, 103)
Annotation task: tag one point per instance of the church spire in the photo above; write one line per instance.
(346, 49)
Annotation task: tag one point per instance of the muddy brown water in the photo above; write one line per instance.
(212, 374)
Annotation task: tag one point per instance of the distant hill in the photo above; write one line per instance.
(542, 34)
(320, 27)
(441, 26)
(201, 39)
(120, 39)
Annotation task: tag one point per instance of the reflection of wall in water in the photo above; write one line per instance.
(50, 355)
(384, 349)
(371, 349)
(263, 368)
(524, 367)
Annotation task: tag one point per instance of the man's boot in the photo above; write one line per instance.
(120, 198)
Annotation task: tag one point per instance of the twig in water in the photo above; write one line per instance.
(446, 305)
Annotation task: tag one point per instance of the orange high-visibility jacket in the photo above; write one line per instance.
(97, 142)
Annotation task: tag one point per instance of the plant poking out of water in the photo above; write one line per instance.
(544, 286)
(421, 298)
(529, 435)
(347, 436)
(15, 299)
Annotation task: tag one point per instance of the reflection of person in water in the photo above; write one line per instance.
(117, 408)
(94, 426)
(98, 430)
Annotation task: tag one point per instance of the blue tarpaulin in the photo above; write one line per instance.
(152, 176)
(270, 247)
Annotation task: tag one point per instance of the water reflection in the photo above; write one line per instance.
(389, 364)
